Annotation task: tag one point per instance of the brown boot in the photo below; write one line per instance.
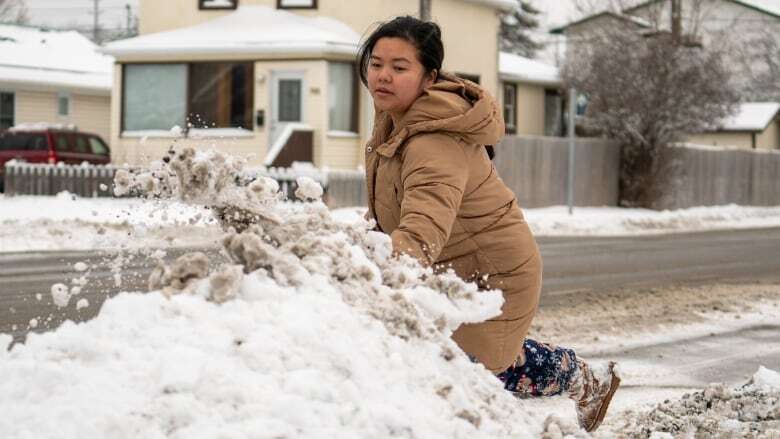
(592, 391)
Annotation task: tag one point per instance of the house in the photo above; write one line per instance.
(273, 80)
(531, 96)
(756, 125)
(746, 31)
(53, 77)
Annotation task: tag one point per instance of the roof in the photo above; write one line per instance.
(249, 31)
(504, 5)
(751, 116)
(55, 59)
(769, 7)
(521, 69)
(628, 18)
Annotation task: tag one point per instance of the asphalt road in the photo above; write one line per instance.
(570, 265)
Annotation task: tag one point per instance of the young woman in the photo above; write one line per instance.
(433, 188)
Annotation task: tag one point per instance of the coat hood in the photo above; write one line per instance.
(451, 105)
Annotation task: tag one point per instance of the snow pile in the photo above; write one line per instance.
(314, 329)
(717, 412)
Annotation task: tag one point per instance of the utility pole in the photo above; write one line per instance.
(425, 10)
(96, 21)
(677, 21)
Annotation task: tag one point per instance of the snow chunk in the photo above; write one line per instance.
(82, 303)
(60, 295)
(80, 266)
(308, 189)
(766, 378)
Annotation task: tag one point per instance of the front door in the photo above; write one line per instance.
(287, 105)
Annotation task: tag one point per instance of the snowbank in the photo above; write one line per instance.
(314, 330)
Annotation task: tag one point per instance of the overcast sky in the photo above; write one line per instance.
(58, 13)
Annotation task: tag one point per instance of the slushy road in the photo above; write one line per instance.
(571, 264)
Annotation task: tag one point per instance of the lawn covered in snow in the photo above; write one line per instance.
(67, 222)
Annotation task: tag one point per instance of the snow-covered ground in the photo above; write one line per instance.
(314, 330)
(66, 222)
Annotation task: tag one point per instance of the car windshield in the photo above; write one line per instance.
(14, 141)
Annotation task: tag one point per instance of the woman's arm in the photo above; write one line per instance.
(434, 174)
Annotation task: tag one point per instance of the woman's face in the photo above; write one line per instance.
(395, 75)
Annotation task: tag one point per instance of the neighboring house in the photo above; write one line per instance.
(53, 77)
(756, 125)
(531, 96)
(271, 79)
(748, 31)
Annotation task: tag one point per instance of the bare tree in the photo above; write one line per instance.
(648, 92)
(14, 11)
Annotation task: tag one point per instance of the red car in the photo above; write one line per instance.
(52, 145)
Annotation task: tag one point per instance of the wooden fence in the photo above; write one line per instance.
(711, 176)
(535, 168)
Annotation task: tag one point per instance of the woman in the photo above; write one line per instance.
(432, 187)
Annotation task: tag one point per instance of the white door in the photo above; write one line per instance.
(287, 101)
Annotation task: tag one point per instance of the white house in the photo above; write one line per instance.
(54, 77)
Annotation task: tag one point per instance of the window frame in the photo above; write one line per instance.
(13, 107)
(354, 121)
(187, 78)
(202, 6)
(509, 128)
(279, 5)
(66, 97)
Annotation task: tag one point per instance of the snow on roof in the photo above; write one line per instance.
(505, 5)
(751, 116)
(30, 55)
(250, 30)
(518, 68)
(769, 6)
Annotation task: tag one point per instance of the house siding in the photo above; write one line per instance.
(737, 140)
(530, 109)
(89, 113)
(770, 137)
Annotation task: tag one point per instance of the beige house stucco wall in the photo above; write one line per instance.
(530, 109)
(770, 138)
(89, 113)
(474, 51)
(738, 140)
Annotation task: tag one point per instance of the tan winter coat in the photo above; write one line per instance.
(432, 187)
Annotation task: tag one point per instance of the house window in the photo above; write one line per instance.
(213, 95)
(63, 104)
(217, 4)
(510, 108)
(221, 95)
(342, 97)
(296, 4)
(470, 77)
(155, 96)
(553, 113)
(6, 110)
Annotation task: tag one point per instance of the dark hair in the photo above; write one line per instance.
(425, 36)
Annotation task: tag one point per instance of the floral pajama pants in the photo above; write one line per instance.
(548, 371)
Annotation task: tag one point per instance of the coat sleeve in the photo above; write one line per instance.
(434, 176)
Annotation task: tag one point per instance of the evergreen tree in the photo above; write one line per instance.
(515, 26)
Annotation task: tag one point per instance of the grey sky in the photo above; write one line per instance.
(68, 13)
